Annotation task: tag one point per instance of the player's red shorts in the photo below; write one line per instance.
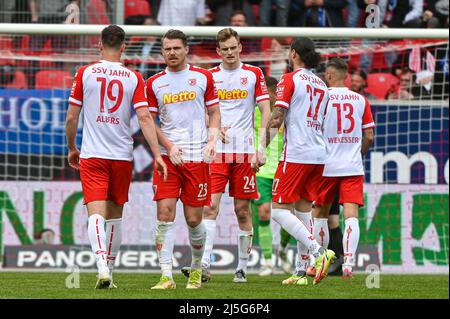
(294, 181)
(188, 182)
(236, 169)
(350, 190)
(105, 179)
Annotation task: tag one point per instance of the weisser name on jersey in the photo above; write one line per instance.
(348, 114)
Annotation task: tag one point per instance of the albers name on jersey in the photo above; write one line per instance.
(232, 95)
(184, 96)
(108, 119)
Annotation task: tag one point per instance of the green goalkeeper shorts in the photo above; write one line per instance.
(264, 189)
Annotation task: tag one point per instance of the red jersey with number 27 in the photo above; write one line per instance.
(305, 96)
(108, 92)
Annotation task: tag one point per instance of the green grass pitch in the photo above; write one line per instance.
(18, 285)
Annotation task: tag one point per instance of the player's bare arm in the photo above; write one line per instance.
(275, 122)
(175, 152)
(148, 128)
(264, 107)
(368, 137)
(73, 114)
(213, 132)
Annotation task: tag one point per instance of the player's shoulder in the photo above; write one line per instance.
(215, 69)
(136, 73)
(156, 76)
(83, 68)
(251, 68)
(196, 69)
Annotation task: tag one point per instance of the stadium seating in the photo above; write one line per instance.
(52, 79)
(6, 43)
(379, 84)
(96, 12)
(19, 82)
(137, 7)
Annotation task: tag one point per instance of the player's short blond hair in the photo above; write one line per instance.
(225, 34)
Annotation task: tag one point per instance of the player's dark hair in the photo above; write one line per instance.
(173, 34)
(338, 64)
(113, 36)
(306, 49)
(225, 34)
(271, 82)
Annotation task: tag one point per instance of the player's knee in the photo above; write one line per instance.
(211, 212)
(193, 220)
(166, 213)
(242, 213)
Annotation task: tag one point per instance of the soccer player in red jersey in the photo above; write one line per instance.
(348, 132)
(183, 96)
(301, 101)
(107, 92)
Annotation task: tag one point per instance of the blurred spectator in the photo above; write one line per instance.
(404, 13)
(186, 12)
(51, 11)
(358, 80)
(143, 48)
(224, 8)
(48, 11)
(7, 9)
(6, 74)
(435, 14)
(354, 13)
(266, 10)
(45, 237)
(318, 13)
(403, 91)
(249, 45)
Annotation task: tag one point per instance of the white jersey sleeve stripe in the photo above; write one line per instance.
(282, 104)
(262, 98)
(368, 125)
(212, 102)
(140, 104)
(75, 101)
(153, 109)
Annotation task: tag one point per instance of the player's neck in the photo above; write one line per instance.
(177, 68)
(232, 66)
(111, 56)
(339, 84)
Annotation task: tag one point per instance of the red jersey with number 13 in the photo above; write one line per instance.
(348, 114)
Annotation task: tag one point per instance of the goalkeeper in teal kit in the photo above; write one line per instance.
(262, 206)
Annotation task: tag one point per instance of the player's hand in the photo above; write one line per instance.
(161, 167)
(74, 159)
(258, 160)
(209, 153)
(223, 135)
(176, 155)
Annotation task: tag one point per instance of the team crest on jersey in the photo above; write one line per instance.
(244, 80)
(192, 82)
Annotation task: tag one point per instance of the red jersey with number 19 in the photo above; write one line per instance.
(348, 114)
(305, 96)
(107, 91)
